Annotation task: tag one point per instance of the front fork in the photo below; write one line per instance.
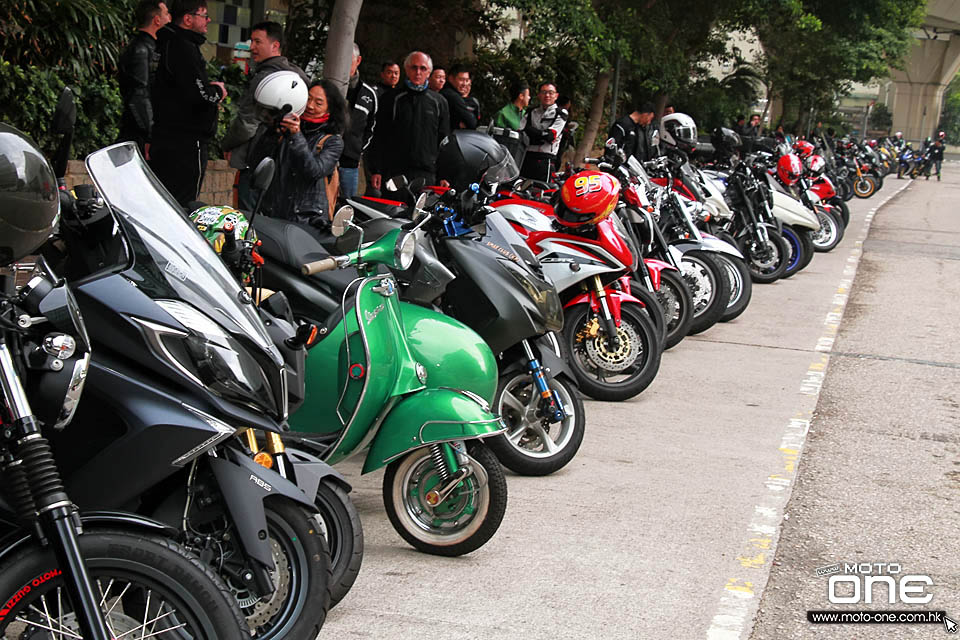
(550, 406)
(609, 324)
(274, 453)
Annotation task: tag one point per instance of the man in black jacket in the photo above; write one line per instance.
(633, 133)
(266, 45)
(462, 115)
(137, 67)
(362, 100)
(185, 103)
(411, 122)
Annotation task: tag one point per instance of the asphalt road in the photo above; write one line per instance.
(666, 524)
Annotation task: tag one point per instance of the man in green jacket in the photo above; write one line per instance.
(511, 115)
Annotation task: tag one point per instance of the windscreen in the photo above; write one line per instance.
(172, 258)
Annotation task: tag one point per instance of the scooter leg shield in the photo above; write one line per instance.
(428, 417)
(244, 485)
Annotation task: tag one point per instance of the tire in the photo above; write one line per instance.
(406, 482)
(635, 364)
(801, 250)
(300, 555)
(741, 286)
(806, 237)
(533, 446)
(116, 559)
(839, 204)
(767, 263)
(900, 172)
(708, 286)
(848, 190)
(340, 526)
(677, 304)
(864, 187)
(652, 309)
(830, 233)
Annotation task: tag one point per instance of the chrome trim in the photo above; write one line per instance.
(153, 338)
(74, 391)
(470, 394)
(480, 437)
(223, 430)
(346, 342)
(12, 388)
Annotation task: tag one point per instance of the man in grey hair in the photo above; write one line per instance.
(362, 102)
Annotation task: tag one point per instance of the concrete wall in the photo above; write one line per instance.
(217, 184)
(917, 94)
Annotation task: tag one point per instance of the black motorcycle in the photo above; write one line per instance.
(124, 575)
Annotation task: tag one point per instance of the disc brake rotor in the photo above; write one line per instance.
(629, 348)
(696, 277)
(258, 611)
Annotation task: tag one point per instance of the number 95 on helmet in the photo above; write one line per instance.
(587, 198)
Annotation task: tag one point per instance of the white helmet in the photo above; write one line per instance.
(282, 88)
(679, 130)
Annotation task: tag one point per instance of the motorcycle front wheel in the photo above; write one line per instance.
(149, 588)
(830, 232)
(708, 286)
(741, 286)
(464, 521)
(605, 371)
(843, 208)
(340, 525)
(766, 261)
(677, 304)
(533, 446)
(864, 187)
(801, 250)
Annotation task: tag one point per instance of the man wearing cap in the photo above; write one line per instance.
(266, 45)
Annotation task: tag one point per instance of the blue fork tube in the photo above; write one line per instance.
(554, 410)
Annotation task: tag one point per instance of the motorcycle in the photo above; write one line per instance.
(94, 574)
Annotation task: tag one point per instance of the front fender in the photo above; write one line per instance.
(427, 417)
(245, 485)
(616, 300)
(713, 243)
(656, 268)
(16, 540)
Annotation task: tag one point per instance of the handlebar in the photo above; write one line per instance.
(327, 264)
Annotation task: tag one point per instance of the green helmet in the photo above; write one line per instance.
(214, 223)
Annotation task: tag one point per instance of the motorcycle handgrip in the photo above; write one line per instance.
(327, 264)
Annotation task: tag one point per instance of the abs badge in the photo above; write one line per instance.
(356, 371)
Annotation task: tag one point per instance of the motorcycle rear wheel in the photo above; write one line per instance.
(533, 446)
(634, 363)
(470, 516)
(138, 574)
(711, 293)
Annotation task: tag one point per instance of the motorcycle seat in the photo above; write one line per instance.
(292, 245)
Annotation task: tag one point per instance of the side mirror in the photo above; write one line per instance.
(421, 202)
(655, 138)
(396, 183)
(263, 174)
(525, 184)
(65, 114)
(610, 144)
(342, 220)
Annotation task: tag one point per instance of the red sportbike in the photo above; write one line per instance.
(612, 344)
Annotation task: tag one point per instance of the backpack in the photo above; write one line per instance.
(332, 182)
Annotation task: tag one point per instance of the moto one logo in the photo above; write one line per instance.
(859, 581)
(263, 485)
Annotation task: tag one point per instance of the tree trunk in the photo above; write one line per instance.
(593, 120)
(339, 55)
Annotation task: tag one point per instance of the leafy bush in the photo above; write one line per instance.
(28, 96)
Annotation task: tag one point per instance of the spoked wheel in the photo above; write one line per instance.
(708, 286)
(677, 304)
(533, 446)
(830, 232)
(864, 187)
(741, 286)
(149, 588)
(606, 369)
(465, 520)
(801, 250)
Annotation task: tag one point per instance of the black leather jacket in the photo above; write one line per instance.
(410, 126)
(184, 101)
(363, 102)
(137, 68)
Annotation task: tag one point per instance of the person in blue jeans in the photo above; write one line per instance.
(362, 106)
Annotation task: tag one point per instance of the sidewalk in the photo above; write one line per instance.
(880, 474)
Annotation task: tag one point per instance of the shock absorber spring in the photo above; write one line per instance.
(41, 471)
(436, 453)
(18, 487)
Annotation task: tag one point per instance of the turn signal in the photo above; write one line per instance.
(264, 459)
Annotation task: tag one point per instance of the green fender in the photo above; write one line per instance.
(455, 356)
(426, 417)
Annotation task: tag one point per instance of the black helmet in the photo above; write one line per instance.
(725, 139)
(471, 156)
(29, 200)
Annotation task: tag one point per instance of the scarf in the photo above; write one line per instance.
(310, 125)
(416, 87)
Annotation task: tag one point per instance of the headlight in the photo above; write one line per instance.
(404, 251)
(214, 359)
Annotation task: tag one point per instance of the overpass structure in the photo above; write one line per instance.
(916, 94)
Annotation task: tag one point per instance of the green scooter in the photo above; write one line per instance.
(444, 491)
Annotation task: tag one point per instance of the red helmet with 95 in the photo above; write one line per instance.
(789, 169)
(587, 198)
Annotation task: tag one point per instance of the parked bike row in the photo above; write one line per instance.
(228, 362)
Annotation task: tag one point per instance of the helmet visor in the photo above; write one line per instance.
(685, 133)
(504, 171)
